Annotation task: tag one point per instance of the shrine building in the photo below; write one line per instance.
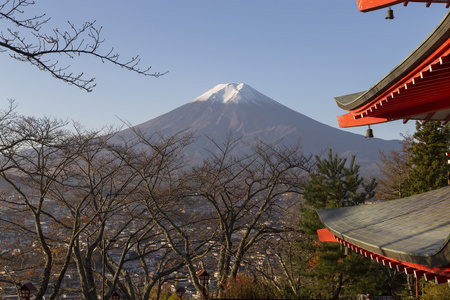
(410, 234)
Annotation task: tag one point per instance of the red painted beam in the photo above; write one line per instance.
(393, 264)
(326, 236)
(401, 268)
(441, 279)
(419, 273)
(348, 120)
(370, 5)
(429, 276)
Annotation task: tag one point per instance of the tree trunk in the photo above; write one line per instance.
(338, 288)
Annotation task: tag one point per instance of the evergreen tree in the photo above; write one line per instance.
(429, 169)
(427, 157)
(334, 183)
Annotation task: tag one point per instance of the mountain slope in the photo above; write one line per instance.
(243, 111)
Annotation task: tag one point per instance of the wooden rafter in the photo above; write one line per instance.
(446, 119)
(428, 118)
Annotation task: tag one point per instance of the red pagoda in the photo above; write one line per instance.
(410, 234)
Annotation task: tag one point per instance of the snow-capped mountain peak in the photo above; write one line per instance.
(229, 109)
(234, 93)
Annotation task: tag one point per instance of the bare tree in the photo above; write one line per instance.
(395, 172)
(245, 194)
(33, 168)
(170, 211)
(77, 196)
(283, 262)
(106, 204)
(100, 185)
(26, 39)
(66, 191)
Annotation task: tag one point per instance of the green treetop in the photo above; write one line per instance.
(335, 182)
(427, 157)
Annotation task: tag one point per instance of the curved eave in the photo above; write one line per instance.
(414, 229)
(437, 274)
(370, 5)
(417, 88)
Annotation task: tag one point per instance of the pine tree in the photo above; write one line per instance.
(331, 185)
(427, 158)
(334, 184)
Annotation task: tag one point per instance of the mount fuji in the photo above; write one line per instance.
(243, 111)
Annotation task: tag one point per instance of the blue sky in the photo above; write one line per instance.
(300, 53)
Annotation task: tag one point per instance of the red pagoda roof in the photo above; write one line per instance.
(369, 5)
(416, 89)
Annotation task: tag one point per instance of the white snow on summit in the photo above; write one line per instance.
(234, 93)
